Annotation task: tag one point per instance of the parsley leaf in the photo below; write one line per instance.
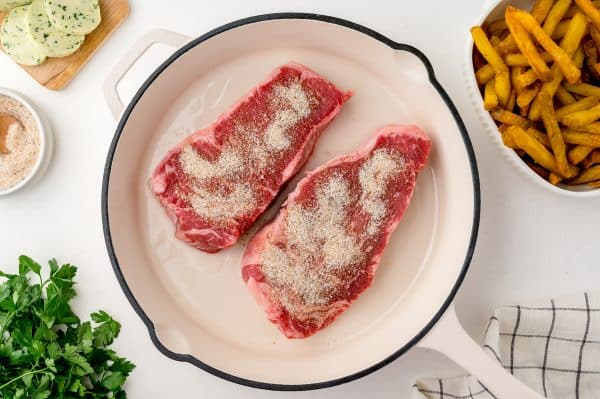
(46, 351)
(107, 329)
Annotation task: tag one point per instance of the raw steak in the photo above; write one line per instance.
(322, 250)
(217, 182)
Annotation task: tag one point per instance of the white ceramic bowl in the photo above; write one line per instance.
(45, 142)
(493, 11)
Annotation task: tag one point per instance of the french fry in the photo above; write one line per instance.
(512, 99)
(564, 96)
(490, 99)
(509, 118)
(539, 11)
(583, 89)
(539, 136)
(487, 50)
(587, 175)
(581, 117)
(518, 59)
(522, 80)
(548, 88)
(572, 39)
(578, 153)
(579, 57)
(594, 184)
(535, 111)
(506, 137)
(570, 136)
(503, 127)
(527, 47)
(508, 45)
(554, 178)
(591, 159)
(485, 74)
(590, 11)
(502, 80)
(576, 30)
(560, 56)
(515, 72)
(581, 105)
(560, 29)
(581, 138)
(593, 128)
(570, 43)
(494, 40)
(536, 150)
(553, 131)
(555, 15)
(502, 87)
(508, 141)
(526, 96)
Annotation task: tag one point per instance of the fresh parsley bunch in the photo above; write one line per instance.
(46, 351)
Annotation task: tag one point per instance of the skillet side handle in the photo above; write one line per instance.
(113, 100)
(449, 338)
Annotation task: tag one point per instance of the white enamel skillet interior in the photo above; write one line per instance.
(196, 306)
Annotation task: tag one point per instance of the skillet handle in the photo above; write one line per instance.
(113, 100)
(449, 338)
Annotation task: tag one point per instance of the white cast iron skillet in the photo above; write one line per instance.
(196, 306)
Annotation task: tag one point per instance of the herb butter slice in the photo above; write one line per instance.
(57, 43)
(77, 17)
(7, 5)
(16, 40)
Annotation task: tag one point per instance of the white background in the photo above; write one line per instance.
(532, 243)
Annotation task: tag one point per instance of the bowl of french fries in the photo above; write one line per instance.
(535, 69)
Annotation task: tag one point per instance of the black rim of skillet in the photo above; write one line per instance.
(106, 180)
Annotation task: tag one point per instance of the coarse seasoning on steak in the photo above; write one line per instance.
(322, 250)
(217, 182)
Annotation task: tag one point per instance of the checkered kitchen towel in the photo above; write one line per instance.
(552, 346)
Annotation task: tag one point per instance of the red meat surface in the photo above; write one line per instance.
(217, 182)
(322, 250)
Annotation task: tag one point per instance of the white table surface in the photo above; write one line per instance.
(532, 243)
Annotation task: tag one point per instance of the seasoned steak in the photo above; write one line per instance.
(307, 266)
(217, 182)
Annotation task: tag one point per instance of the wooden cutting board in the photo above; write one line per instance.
(56, 73)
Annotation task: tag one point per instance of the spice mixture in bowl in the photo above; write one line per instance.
(25, 142)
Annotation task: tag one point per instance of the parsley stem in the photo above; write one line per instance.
(21, 376)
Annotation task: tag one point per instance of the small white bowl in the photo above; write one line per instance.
(45, 142)
(494, 11)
